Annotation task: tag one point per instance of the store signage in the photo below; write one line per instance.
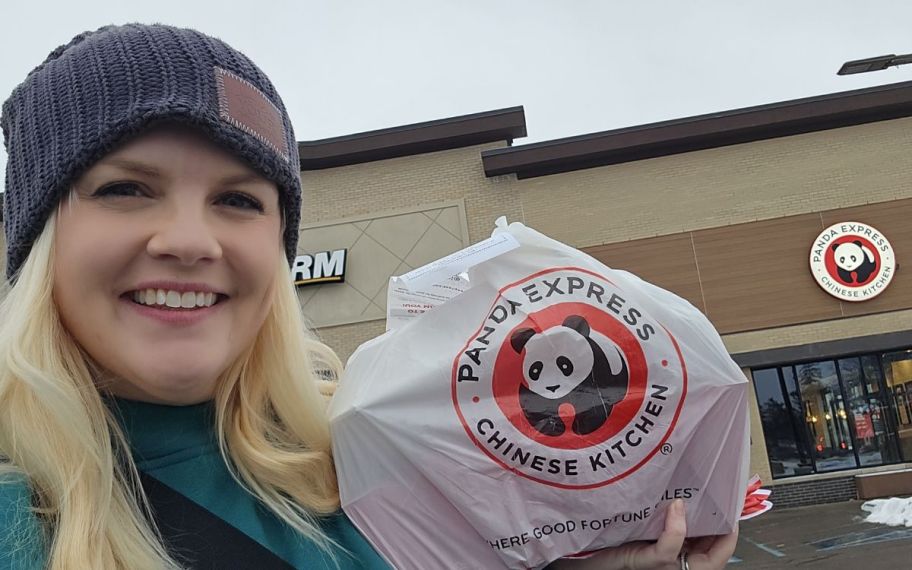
(323, 267)
(852, 261)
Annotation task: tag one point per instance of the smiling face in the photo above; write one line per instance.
(556, 361)
(165, 262)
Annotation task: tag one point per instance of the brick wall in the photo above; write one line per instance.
(716, 187)
(761, 180)
(407, 183)
(813, 492)
(807, 333)
(344, 339)
(759, 458)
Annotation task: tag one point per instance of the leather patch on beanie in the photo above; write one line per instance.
(247, 108)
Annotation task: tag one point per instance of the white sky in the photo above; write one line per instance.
(577, 66)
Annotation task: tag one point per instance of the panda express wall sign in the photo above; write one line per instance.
(852, 261)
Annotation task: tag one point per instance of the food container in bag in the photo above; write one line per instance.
(548, 405)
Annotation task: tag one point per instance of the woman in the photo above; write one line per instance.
(161, 403)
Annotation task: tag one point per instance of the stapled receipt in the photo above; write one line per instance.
(431, 285)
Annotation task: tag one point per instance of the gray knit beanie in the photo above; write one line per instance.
(109, 85)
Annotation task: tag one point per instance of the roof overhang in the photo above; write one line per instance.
(445, 134)
(702, 132)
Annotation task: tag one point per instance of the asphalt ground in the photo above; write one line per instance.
(832, 536)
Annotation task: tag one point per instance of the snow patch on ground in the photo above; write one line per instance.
(893, 511)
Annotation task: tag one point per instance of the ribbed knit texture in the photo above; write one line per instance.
(106, 86)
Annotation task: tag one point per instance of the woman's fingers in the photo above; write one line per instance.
(672, 538)
(706, 553)
(717, 555)
(723, 549)
(700, 545)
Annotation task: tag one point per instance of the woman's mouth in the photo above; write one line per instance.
(174, 300)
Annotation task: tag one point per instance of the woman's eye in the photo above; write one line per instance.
(120, 189)
(240, 200)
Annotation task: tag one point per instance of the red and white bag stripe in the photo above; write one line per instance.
(756, 501)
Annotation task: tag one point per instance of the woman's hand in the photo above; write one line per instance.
(707, 553)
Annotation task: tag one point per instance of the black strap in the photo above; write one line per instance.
(199, 539)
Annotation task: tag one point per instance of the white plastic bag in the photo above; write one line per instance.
(555, 407)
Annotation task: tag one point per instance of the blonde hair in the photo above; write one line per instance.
(57, 431)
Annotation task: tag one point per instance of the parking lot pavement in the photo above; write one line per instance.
(830, 536)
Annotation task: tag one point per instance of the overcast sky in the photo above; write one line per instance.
(577, 66)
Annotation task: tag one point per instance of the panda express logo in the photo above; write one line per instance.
(852, 261)
(568, 383)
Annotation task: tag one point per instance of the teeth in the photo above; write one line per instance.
(174, 299)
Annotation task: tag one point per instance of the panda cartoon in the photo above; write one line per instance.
(853, 257)
(564, 365)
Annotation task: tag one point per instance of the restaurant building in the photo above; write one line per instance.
(752, 215)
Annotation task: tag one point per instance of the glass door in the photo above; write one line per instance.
(867, 411)
(780, 415)
(793, 400)
(825, 416)
(897, 368)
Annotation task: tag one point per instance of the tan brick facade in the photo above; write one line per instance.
(714, 188)
(759, 462)
(408, 182)
(345, 339)
(722, 186)
(819, 332)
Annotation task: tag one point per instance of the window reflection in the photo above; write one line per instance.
(897, 367)
(793, 397)
(787, 455)
(825, 416)
(836, 414)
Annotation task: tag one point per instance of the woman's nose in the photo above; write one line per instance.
(184, 235)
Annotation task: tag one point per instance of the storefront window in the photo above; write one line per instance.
(825, 416)
(869, 411)
(832, 415)
(897, 367)
(788, 456)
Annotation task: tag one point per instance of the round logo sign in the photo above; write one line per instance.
(568, 383)
(852, 261)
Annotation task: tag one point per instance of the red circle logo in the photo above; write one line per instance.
(569, 381)
(509, 378)
(852, 260)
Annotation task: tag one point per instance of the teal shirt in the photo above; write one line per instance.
(177, 446)
(22, 543)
